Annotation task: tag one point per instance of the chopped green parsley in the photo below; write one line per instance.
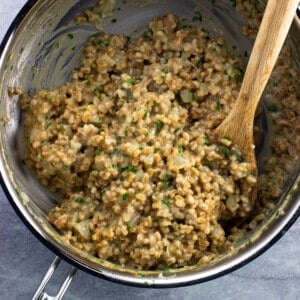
(177, 129)
(219, 105)
(125, 196)
(79, 200)
(180, 149)
(159, 125)
(128, 169)
(224, 150)
(129, 227)
(238, 74)
(206, 140)
(130, 81)
(166, 202)
(98, 91)
(98, 151)
(167, 180)
(103, 43)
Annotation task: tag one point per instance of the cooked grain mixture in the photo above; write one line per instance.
(129, 143)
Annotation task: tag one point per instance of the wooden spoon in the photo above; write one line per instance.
(238, 125)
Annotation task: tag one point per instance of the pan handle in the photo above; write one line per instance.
(40, 293)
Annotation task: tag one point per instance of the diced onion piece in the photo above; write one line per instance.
(203, 90)
(187, 96)
(83, 230)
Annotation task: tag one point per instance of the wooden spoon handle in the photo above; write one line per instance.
(272, 33)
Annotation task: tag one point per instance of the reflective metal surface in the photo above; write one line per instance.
(37, 53)
(40, 293)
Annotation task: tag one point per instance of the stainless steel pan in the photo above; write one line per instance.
(36, 52)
